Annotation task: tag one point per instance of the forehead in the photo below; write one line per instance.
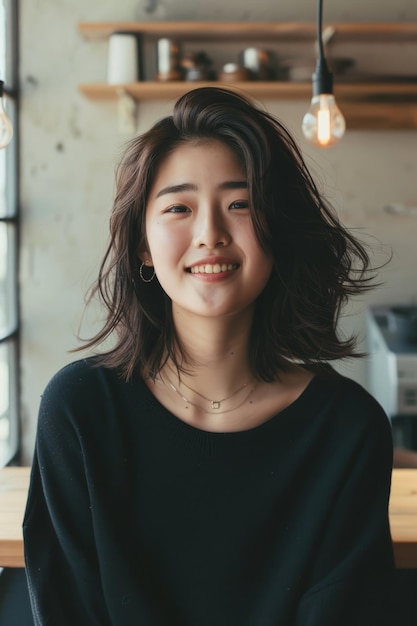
(199, 156)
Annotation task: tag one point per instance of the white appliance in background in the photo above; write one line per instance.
(392, 348)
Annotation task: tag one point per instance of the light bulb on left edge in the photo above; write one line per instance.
(6, 128)
(323, 124)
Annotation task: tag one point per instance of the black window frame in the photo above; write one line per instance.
(10, 335)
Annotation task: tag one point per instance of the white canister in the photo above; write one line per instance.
(168, 60)
(257, 61)
(123, 59)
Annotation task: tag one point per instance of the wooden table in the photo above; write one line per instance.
(403, 517)
(14, 482)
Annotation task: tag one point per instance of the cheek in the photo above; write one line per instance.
(262, 263)
(165, 243)
(157, 239)
(164, 254)
(259, 255)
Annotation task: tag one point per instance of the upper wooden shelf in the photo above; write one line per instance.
(284, 31)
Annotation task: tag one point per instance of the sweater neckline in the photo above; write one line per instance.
(181, 426)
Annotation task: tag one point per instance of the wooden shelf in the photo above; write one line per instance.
(281, 90)
(282, 31)
(365, 105)
(355, 100)
(149, 90)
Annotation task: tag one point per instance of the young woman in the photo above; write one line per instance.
(211, 468)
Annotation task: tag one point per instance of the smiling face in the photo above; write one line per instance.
(199, 232)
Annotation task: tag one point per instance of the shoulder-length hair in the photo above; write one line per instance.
(317, 263)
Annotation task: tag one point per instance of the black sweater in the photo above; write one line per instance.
(135, 518)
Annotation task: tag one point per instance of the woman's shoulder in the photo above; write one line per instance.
(348, 392)
(79, 380)
(82, 393)
(76, 372)
(347, 403)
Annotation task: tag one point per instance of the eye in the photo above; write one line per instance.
(239, 204)
(178, 208)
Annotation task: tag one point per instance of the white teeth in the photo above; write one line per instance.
(213, 269)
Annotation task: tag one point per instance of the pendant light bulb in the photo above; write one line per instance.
(323, 124)
(6, 128)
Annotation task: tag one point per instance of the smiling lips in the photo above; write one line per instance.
(216, 268)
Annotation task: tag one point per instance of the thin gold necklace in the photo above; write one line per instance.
(215, 404)
(217, 412)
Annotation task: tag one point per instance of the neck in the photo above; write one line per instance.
(218, 351)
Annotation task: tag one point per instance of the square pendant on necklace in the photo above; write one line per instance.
(215, 404)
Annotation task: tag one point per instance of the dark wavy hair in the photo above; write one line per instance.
(317, 263)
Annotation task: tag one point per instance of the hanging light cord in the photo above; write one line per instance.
(322, 77)
(320, 29)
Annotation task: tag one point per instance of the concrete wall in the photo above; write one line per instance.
(69, 146)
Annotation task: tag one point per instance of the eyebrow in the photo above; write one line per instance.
(230, 184)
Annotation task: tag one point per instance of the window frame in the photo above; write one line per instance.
(10, 336)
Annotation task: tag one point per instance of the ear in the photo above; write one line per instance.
(146, 259)
(144, 254)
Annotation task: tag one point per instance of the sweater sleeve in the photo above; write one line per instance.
(353, 573)
(61, 561)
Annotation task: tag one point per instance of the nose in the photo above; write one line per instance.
(211, 229)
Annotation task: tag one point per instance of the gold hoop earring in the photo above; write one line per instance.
(146, 280)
